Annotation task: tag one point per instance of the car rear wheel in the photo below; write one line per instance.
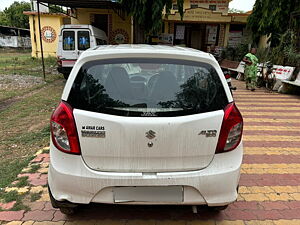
(218, 208)
(67, 210)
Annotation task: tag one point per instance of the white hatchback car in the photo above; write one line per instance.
(141, 124)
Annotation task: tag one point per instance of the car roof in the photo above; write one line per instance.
(145, 49)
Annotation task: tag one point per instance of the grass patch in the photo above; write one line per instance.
(35, 196)
(24, 123)
(46, 151)
(20, 206)
(23, 64)
(30, 137)
(14, 196)
(22, 182)
(34, 168)
(10, 169)
(9, 196)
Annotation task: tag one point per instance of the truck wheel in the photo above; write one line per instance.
(66, 75)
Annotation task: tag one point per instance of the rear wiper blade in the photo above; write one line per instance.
(139, 105)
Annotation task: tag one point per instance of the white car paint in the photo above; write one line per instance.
(124, 149)
(122, 159)
(70, 179)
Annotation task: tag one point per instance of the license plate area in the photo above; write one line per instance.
(172, 194)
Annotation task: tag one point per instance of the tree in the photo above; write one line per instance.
(272, 17)
(148, 13)
(232, 10)
(13, 15)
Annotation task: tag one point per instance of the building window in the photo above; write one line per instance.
(175, 7)
(213, 7)
(194, 6)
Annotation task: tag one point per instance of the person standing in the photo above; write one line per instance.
(251, 69)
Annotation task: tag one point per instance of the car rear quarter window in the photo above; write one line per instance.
(147, 87)
(100, 41)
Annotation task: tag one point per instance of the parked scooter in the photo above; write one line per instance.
(228, 79)
(268, 78)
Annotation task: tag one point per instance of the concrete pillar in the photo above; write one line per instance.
(221, 35)
(166, 30)
(226, 36)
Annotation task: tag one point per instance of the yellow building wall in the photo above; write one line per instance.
(47, 20)
(84, 17)
(220, 5)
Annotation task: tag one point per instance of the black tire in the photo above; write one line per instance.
(67, 210)
(218, 208)
(66, 75)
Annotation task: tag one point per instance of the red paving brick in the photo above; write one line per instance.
(276, 205)
(286, 144)
(270, 132)
(58, 216)
(37, 206)
(30, 176)
(290, 214)
(271, 159)
(244, 205)
(268, 214)
(271, 117)
(40, 181)
(7, 206)
(275, 124)
(11, 215)
(238, 214)
(294, 205)
(39, 215)
(270, 180)
(48, 206)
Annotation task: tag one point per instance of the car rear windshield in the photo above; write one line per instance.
(147, 87)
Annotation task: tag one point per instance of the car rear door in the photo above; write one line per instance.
(74, 42)
(83, 40)
(69, 48)
(177, 133)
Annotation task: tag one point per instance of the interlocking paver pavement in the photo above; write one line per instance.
(269, 185)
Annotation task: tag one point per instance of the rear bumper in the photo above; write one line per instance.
(70, 179)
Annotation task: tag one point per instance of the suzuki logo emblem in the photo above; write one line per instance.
(150, 134)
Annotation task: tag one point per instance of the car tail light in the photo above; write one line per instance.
(227, 76)
(231, 130)
(63, 130)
